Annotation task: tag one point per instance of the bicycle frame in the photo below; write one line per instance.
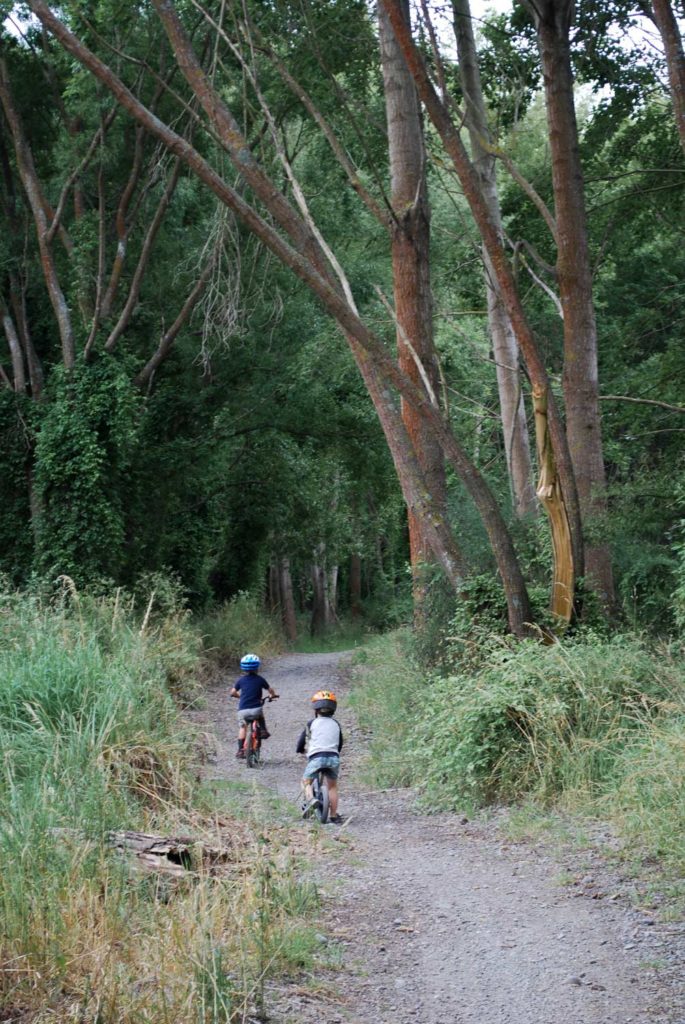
(252, 744)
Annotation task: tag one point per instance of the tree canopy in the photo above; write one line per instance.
(204, 292)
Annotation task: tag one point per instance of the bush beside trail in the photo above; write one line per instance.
(591, 724)
(92, 741)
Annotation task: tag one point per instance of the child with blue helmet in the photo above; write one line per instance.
(249, 688)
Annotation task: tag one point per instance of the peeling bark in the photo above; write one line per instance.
(580, 376)
(410, 249)
(504, 346)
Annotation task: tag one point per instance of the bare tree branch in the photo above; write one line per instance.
(383, 216)
(642, 401)
(38, 204)
(146, 252)
(169, 337)
(76, 174)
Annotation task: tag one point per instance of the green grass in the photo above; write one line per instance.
(590, 727)
(236, 627)
(91, 740)
(343, 638)
(386, 697)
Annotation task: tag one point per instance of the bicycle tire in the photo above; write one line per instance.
(322, 798)
(253, 744)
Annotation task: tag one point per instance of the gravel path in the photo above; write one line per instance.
(444, 921)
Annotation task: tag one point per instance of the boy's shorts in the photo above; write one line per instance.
(249, 714)
(330, 763)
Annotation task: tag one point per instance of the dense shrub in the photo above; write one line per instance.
(591, 724)
(547, 720)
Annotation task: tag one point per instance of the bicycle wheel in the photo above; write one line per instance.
(253, 744)
(322, 798)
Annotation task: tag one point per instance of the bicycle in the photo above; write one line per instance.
(320, 795)
(252, 743)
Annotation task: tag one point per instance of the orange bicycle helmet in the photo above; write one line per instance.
(324, 700)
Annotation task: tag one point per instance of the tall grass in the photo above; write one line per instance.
(91, 741)
(591, 725)
(238, 626)
(386, 696)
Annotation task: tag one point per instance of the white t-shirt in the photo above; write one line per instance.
(324, 736)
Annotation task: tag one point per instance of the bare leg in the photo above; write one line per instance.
(333, 796)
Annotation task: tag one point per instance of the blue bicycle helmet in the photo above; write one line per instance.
(249, 663)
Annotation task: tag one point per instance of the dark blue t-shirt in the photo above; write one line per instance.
(251, 686)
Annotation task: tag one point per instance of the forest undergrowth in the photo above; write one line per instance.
(591, 726)
(92, 741)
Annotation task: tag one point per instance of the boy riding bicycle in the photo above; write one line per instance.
(323, 739)
(249, 688)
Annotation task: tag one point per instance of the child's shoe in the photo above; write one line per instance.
(336, 819)
(240, 753)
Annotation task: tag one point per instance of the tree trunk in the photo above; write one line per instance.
(355, 585)
(38, 205)
(549, 493)
(16, 354)
(320, 612)
(410, 247)
(274, 591)
(504, 347)
(580, 378)
(675, 59)
(451, 140)
(332, 589)
(288, 616)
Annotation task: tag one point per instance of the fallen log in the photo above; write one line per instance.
(171, 855)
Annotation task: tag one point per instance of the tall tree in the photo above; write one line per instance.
(570, 567)
(504, 346)
(661, 11)
(553, 20)
(410, 246)
(370, 354)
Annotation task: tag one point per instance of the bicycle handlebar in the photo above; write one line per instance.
(263, 701)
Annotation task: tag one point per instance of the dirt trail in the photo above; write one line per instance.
(444, 921)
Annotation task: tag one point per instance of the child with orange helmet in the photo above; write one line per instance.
(323, 739)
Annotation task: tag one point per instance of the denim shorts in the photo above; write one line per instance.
(330, 763)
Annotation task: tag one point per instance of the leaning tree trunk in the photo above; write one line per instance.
(580, 377)
(410, 247)
(448, 131)
(665, 20)
(504, 347)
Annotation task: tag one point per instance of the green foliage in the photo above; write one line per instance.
(591, 724)
(83, 452)
(16, 439)
(236, 627)
(92, 742)
(538, 719)
(388, 689)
